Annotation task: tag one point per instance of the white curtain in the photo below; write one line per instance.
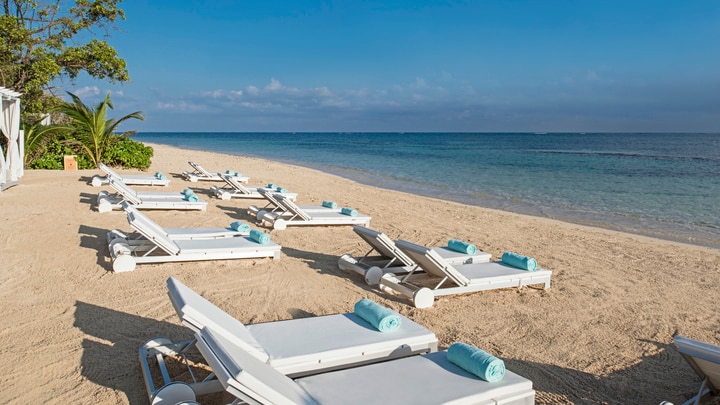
(10, 126)
(3, 164)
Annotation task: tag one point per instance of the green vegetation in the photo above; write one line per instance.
(46, 41)
(90, 128)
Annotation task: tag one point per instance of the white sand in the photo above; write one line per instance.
(603, 333)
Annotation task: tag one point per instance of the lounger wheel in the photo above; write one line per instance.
(423, 298)
(193, 179)
(373, 275)
(102, 195)
(260, 214)
(104, 206)
(279, 224)
(225, 195)
(123, 263)
(114, 245)
(160, 344)
(97, 181)
(173, 394)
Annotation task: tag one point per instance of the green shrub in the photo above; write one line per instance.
(124, 152)
(128, 153)
(55, 153)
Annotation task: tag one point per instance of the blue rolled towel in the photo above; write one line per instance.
(280, 189)
(462, 247)
(231, 172)
(349, 211)
(383, 319)
(329, 204)
(519, 261)
(240, 226)
(192, 198)
(476, 361)
(188, 192)
(260, 237)
(270, 185)
(160, 176)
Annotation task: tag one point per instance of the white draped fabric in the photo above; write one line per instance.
(11, 161)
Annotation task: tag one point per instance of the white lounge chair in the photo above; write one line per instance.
(135, 239)
(199, 173)
(165, 249)
(107, 202)
(134, 179)
(390, 259)
(465, 277)
(274, 206)
(704, 358)
(233, 189)
(425, 379)
(298, 216)
(294, 347)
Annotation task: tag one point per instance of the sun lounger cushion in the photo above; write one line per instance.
(476, 361)
(462, 247)
(383, 319)
(240, 226)
(519, 261)
(260, 237)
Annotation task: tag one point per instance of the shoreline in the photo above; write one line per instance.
(601, 334)
(505, 205)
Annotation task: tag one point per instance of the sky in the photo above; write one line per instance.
(416, 66)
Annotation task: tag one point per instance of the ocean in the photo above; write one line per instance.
(660, 185)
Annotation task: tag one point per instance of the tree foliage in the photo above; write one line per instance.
(90, 127)
(41, 41)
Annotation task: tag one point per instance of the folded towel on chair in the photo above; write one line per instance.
(383, 319)
(270, 185)
(260, 237)
(329, 204)
(188, 192)
(240, 226)
(462, 247)
(476, 361)
(191, 197)
(280, 189)
(519, 261)
(160, 176)
(349, 211)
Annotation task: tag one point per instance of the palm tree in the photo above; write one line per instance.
(37, 136)
(90, 127)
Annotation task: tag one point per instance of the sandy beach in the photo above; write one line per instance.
(71, 328)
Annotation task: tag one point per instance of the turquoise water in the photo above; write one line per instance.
(661, 185)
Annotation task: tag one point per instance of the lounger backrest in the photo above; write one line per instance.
(200, 169)
(246, 376)
(232, 182)
(268, 194)
(703, 357)
(196, 313)
(110, 172)
(432, 262)
(126, 192)
(153, 233)
(292, 207)
(133, 214)
(383, 244)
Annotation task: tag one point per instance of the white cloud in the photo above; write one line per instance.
(87, 91)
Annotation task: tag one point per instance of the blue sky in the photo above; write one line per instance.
(470, 66)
